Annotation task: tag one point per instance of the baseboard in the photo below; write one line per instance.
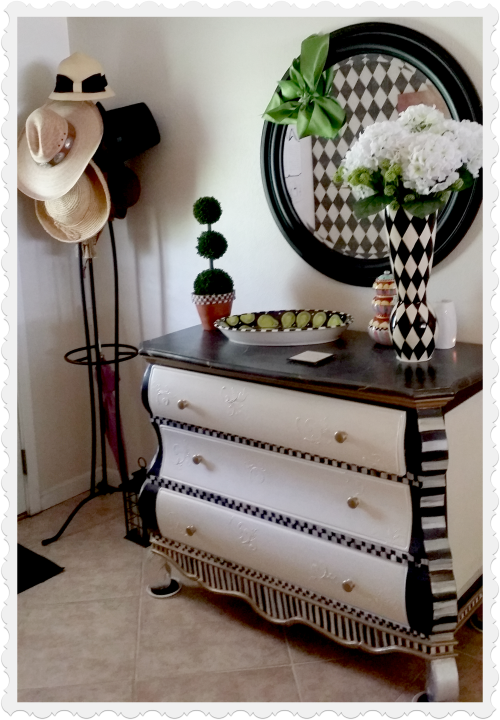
(73, 487)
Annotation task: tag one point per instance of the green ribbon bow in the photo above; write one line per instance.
(304, 98)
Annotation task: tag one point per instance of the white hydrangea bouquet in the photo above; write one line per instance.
(414, 162)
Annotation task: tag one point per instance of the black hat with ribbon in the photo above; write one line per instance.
(80, 77)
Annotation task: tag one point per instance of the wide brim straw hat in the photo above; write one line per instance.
(80, 77)
(81, 213)
(55, 147)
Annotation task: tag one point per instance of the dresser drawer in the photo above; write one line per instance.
(318, 565)
(306, 490)
(359, 434)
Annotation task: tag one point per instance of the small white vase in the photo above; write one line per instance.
(446, 324)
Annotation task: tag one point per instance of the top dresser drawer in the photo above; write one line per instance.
(355, 433)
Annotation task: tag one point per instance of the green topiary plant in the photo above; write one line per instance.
(213, 282)
(213, 288)
(207, 210)
(211, 245)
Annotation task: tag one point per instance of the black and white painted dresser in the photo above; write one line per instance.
(346, 496)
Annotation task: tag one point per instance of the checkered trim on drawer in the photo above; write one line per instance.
(405, 479)
(277, 518)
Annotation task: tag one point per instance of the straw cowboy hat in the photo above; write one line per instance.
(80, 77)
(55, 147)
(79, 214)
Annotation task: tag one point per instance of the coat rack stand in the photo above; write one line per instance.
(90, 355)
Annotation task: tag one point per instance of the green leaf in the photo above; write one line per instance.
(333, 110)
(466, 177)
(289, 89)
(295, 75)
(303, 119)
(371, 205)
(283, 113)
(313, 54)
(377, 181)
(320, 87)
(423, 208)
(329, 75)
(321, 124)
(275, 102)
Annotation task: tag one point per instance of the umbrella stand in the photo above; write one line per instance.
(90, 355)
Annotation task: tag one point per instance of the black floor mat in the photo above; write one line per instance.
(33, 569)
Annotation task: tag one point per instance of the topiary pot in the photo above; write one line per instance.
(213, 307)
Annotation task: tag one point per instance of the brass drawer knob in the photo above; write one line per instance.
(190, 530)
(340, 436)
(353, 502)
(197, 459)
(348, 585)
(182, 404)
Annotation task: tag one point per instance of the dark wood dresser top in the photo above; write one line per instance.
(359, 370)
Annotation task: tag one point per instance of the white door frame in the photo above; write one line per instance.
(25, 410)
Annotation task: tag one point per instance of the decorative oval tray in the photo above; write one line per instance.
(284, 327)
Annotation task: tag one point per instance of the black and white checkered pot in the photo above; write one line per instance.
(411, 246)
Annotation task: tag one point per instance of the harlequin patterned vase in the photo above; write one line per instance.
(411, 245)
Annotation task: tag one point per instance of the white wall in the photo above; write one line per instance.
(207, 82)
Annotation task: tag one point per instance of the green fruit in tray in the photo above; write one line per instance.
(248, 318)
(233, 320)
(267, 322)
(223, 324)
(303, 319)
(288, 319)
(335, 321)
(319, 319)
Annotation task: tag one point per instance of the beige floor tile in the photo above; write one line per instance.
(307, 645)
(470, 673)
(102, 546)
(187, 635)
(31, 531)
(78, 584)
(100, 692)
(354, 682)
(77, 643)
(349, 674)
(275, 684)
(470, 641)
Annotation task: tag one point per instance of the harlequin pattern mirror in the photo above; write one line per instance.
(381, 69)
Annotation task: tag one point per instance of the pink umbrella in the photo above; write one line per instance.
(109, 402)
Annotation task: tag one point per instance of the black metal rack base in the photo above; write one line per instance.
(91, 356)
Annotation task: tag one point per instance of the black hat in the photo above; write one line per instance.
(129, 131)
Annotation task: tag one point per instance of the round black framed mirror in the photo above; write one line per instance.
(381, 68)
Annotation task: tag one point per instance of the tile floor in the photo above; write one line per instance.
(91, 634)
